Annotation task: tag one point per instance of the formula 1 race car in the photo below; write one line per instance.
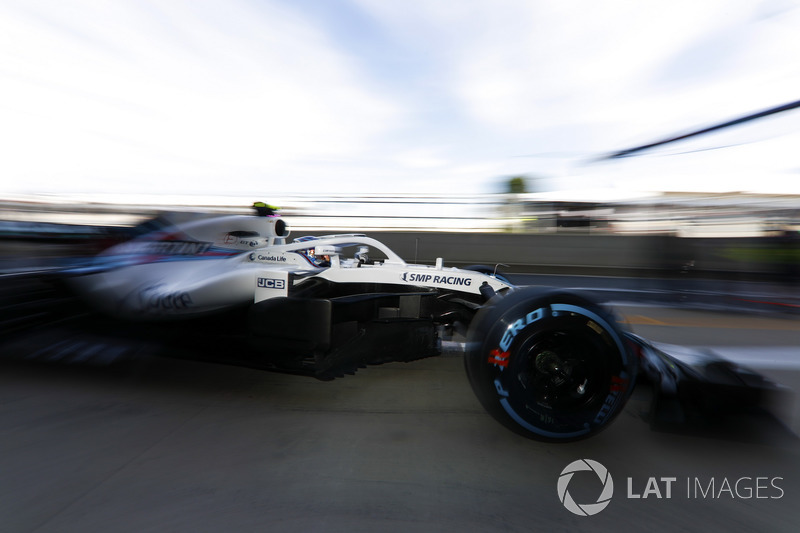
(549, 364)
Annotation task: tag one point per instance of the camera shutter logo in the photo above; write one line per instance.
(586, 509)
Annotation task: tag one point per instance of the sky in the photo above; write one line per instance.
(263, 97)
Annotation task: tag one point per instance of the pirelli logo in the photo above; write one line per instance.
(271, 283)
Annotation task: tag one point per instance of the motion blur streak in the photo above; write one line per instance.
(98, 434)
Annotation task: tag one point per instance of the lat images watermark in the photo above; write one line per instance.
(665, 488)
(586, 509)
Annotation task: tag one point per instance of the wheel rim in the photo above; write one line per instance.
(562, 369)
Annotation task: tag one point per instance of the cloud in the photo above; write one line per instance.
(369, 95)
(616, 67)
(125, 89)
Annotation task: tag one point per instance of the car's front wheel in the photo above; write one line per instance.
(550, 365)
